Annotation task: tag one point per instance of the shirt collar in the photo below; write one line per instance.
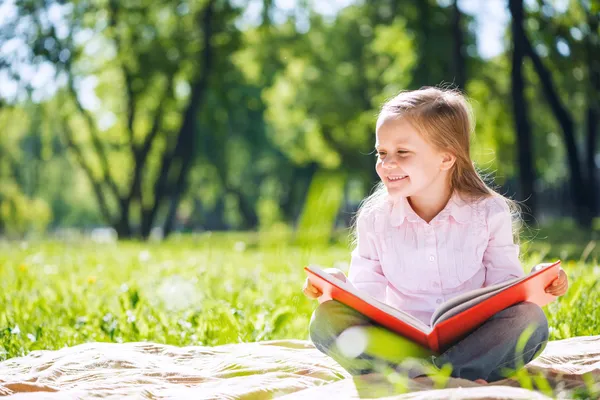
(456, 207)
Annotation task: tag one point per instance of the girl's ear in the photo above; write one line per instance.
(448, 160)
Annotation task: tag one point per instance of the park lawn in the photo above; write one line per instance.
(205, 289)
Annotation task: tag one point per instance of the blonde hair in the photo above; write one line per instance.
(444, 118)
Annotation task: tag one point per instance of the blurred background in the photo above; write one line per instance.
(140, 119)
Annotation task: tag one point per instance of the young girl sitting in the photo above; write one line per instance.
(431, 231)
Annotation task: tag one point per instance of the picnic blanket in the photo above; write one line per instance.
(289, 369)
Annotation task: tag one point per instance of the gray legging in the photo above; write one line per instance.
(504, 343)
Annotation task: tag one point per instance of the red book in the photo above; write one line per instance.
(453, 319)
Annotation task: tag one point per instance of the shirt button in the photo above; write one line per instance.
(431, 258)
(439, 301)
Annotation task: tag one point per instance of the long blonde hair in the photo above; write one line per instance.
(444, 118)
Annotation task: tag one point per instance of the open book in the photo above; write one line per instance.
(453, 319)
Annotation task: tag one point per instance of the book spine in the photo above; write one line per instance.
(433, 340)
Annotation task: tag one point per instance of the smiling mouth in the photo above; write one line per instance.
(396, 178)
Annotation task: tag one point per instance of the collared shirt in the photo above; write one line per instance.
(415, 266)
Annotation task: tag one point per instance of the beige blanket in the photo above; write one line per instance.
(286, 368)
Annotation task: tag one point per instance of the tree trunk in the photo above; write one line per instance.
(592, 141)
(460, 79)
(215, 220)
(521, 119)
(180, 184)
(247, 209)
(593, 110)
(421, 75)
(565, 120)
(184, 149)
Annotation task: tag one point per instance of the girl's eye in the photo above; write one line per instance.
(402, 152)
(380, 154)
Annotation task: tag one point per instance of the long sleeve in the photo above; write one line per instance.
(501, 257)
(365, 271)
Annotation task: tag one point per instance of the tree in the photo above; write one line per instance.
(520, 111)
(459, 48)
(592, 48)
(581, 185)
(163, 76)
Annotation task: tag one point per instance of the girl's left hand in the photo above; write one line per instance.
(559, 286)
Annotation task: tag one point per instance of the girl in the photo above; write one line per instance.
(431, 231)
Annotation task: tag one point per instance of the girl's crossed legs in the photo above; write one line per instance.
(490, 352)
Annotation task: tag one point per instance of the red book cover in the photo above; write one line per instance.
(446, 330)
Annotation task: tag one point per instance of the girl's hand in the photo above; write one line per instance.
(559, 286)
(312, 292)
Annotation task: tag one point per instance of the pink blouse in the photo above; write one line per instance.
(415, 266)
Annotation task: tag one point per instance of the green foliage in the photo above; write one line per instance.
(324, 103)
(20, 214)
(281, 101)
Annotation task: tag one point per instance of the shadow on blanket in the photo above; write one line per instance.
(284, 368)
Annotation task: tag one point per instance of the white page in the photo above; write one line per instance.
(467, 297)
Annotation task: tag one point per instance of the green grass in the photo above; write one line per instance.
(197, 290)
(202, 290)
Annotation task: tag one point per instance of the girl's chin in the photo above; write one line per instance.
(397, 192)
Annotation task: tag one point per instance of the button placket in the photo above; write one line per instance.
(432, 257)
(431, 241)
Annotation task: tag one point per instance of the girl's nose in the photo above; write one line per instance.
(390, 162)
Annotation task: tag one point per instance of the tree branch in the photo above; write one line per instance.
(113, 8)
(95, 138)
(547, 83)
(96, 185)
(141, 152)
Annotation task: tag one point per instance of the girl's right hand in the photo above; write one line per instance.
(312, 292)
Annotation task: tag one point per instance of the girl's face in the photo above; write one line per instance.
(406, 163)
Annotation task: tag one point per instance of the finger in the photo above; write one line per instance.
(557, 291)
(308, 285)
(310, 289)
(556, 288)
(552, 290)
(562, 289)
(562, 284)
